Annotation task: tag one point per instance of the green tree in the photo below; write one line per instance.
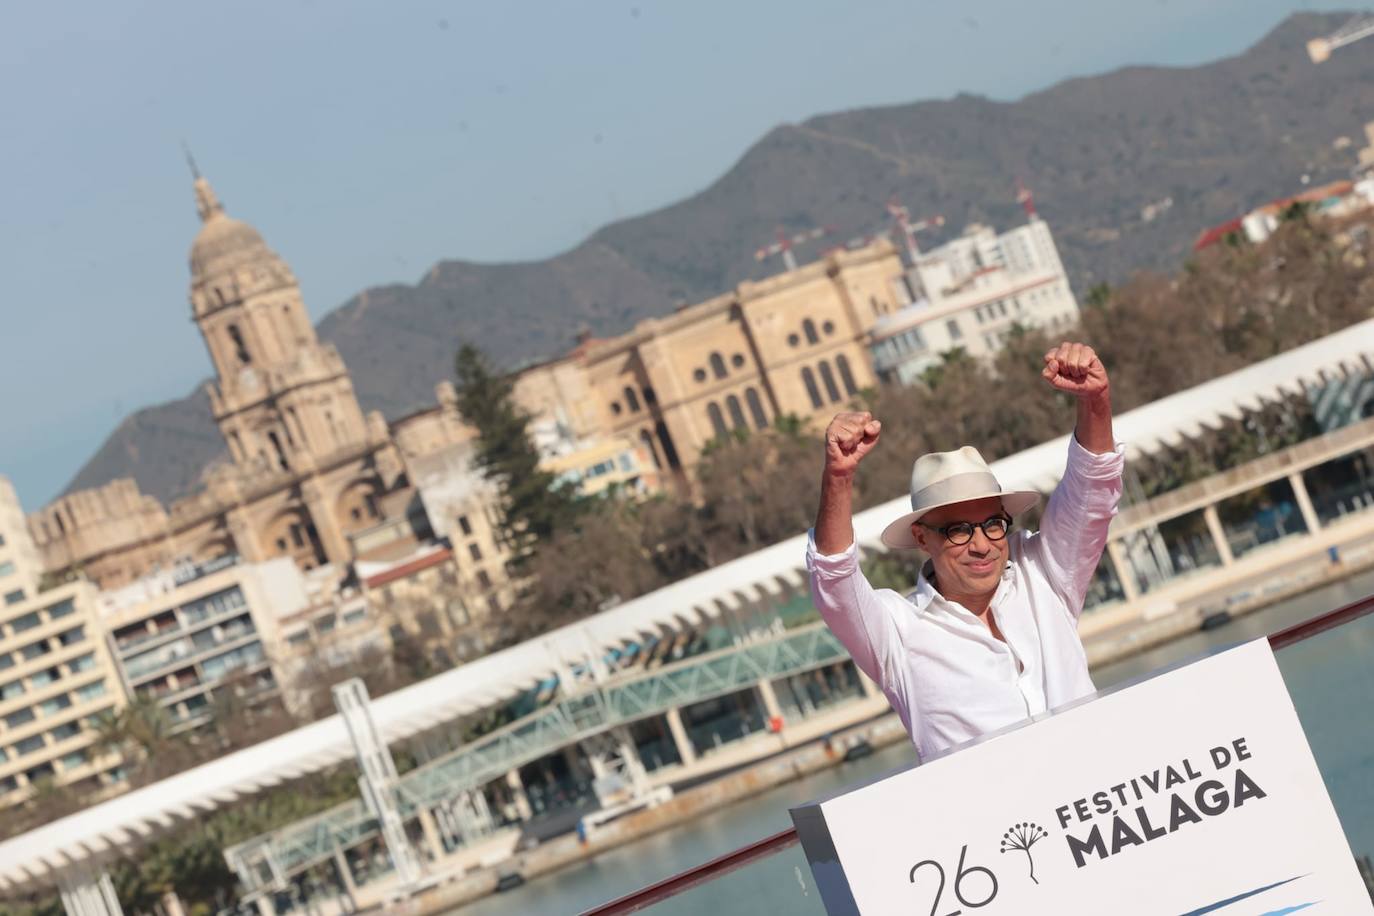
(534, 504)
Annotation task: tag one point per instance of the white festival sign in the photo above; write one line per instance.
(1193, 792)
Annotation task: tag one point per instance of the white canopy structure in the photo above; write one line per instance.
(79, 844)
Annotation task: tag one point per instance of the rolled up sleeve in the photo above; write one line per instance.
(853, 609)
(1073, 530)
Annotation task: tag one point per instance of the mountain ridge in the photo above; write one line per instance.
(1213, 139)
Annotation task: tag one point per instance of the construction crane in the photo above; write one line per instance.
(783, 245)
(1319, 49)
(902, 217)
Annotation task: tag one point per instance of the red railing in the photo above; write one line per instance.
(762, 849)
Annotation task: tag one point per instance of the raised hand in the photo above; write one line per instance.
(848, 438)
(1075, 369)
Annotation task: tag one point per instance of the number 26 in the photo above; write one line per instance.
(960, 874)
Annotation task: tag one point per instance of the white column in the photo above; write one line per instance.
(522, 801)
(350, 884)
(431, 832)
(1309, 512)
(1125, 572)
(86, 892)
(1218, 534)
(378, 782)
(681, 740)
(771, 708)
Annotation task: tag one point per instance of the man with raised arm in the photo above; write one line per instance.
(989, 637)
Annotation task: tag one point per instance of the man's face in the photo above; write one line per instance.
(974, 568)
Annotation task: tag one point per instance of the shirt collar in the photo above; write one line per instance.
(925, 592)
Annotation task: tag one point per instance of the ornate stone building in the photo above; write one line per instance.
(307, 469)
(793, 344)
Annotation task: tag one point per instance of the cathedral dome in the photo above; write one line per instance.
(223, 244)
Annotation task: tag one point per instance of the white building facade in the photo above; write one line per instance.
(970, 293)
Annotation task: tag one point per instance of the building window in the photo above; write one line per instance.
(6, 568)
(11, 690)
(650, 399)
(34, 650)
(751, 397)
(73, 760)
(809, 329)
(736, 413)
(493, 604)
(464, 525)
(15, 596)
(19, 717)
(793, 340)
(809, 380)
(297, 639)
(93, 690)
(65, 731)
(61, 609)
(240, 348)
(828, 328)
(73, 636)
(846, 376)
(474, 551)
(699, 374)
(483, 579)
(26, 622)
(953, 327)
(828, 378)
(616, 408)
(631, 399)
(717, 365)
(717, 420)
(28, 745)
(55, 705)
(737, 360)
(277, 447)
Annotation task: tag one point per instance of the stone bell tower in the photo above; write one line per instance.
(283, 400)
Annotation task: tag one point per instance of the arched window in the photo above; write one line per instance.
(276, 446)
(809, 329)
(631, 399)
(717, 420)
(647, 439)
(828, 378)
(809, 380)
(717, 365)
(751, 397)
(736, 413)
(846, 376)
(666, 440)
(240, 348)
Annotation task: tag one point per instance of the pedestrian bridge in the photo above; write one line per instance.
(620, 701)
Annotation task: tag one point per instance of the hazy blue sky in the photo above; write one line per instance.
(369, 140)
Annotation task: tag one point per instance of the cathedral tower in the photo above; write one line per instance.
(283, 400)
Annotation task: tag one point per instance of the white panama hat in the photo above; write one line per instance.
(944, 478)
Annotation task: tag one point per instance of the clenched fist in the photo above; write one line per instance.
(848, 438)
(1075, 369)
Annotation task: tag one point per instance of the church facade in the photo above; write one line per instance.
(307, 468)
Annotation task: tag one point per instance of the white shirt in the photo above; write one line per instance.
(948, 678)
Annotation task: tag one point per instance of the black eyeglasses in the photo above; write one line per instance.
(958, 533)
